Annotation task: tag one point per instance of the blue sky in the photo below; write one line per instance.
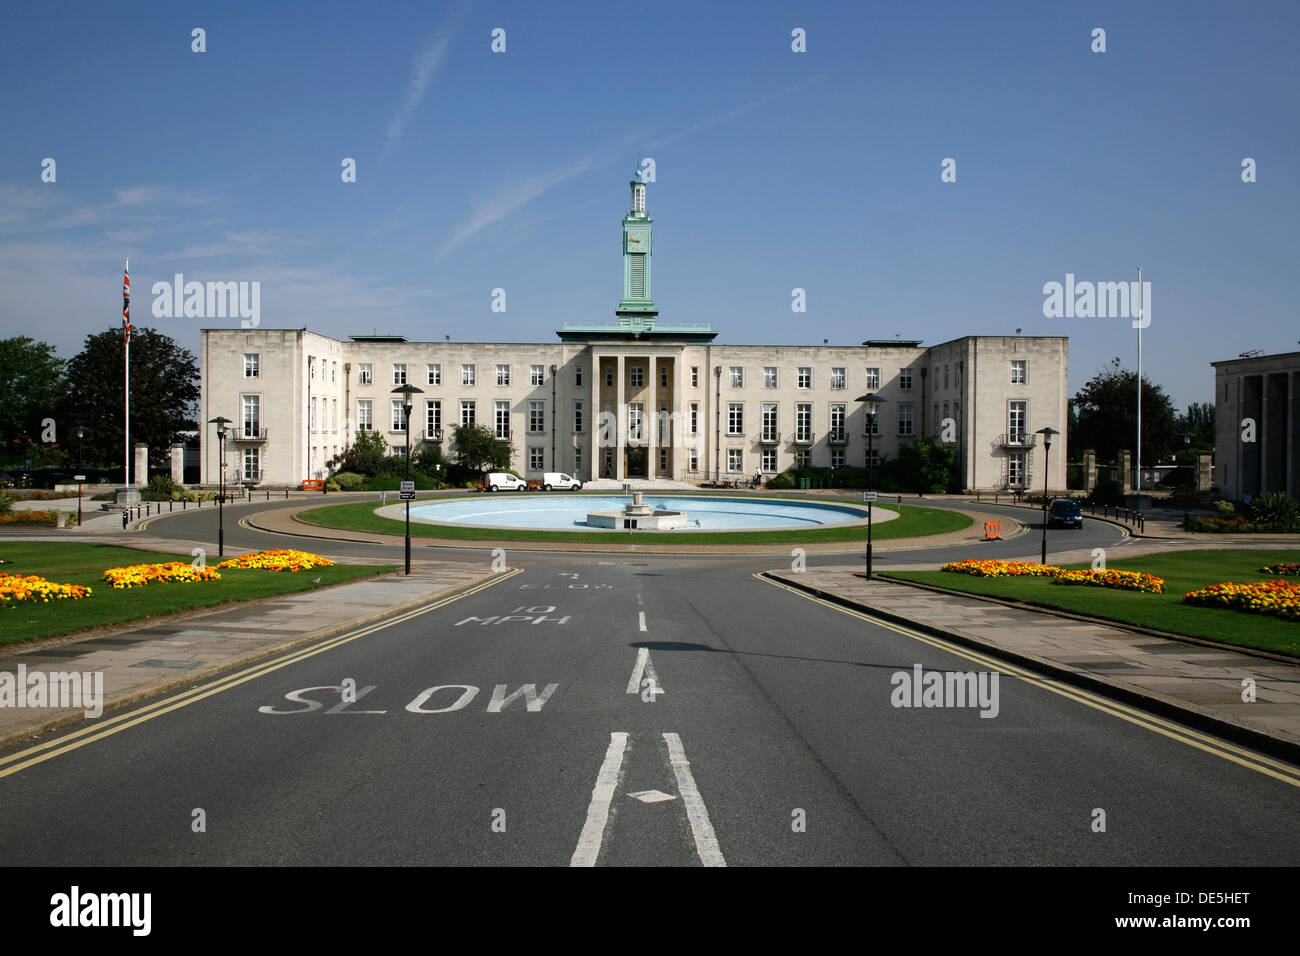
(774, 169)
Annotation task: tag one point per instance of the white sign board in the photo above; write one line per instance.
(407, 486)
(406, 495)
(78, 477)
(868, 496)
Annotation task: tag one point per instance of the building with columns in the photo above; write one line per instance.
(636, 399)
(1257, 425)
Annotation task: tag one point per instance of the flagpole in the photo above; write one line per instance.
(1140, 323)
(126, 331)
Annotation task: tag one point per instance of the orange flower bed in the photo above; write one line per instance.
(1122, 580)
(278, 559)
(1001, 569)
(171, 572)
(18, 589)
(1275, 598)
(1281, 569)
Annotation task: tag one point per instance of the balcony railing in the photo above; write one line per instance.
(803, 438)
(840, 437)
(1018, 440)
(433, 435)
(769, 438)
(250, 477)
(248, 433)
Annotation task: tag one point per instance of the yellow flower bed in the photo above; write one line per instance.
(1001, 569)
(1281, 569)
(1126, 580)
(278, 559)
(18, 589)
(138, 575)
(1123, 580)
(1276, 598)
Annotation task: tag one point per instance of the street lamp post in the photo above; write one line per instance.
(1187, 443)
(1047, 434)
(870, 402)
(221, 424)
(406, 391)
(80, 432)
(717, 424)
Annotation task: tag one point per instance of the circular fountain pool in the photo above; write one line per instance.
(554, 512)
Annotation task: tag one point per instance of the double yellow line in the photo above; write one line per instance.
(39, 753)
(1250, 759)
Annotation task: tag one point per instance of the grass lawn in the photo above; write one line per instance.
(77, 563)
(911, 522)
(1182, 571)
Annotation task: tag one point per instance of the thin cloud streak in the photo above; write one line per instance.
(506, 200)
(425, 67)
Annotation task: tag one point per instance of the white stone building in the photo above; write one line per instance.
(686, 408)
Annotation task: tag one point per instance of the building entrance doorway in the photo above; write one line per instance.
(635, 463)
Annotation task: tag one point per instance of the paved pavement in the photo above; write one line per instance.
(142, 661)
(1196, 681)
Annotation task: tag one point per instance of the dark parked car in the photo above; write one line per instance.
(1065, 513)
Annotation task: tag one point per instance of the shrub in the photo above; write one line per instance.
(348, 481)
(1225, 508)
(1281, 569)
(1106, 493)
(6, 504)
(781, 482)
(1275, 508)
(278, 559)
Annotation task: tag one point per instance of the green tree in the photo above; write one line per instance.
(1107, 410)
(1199, 420)
(164, 393)
(427, 457)
(479, 450)
(33, 378)
(924, 466)
(368, 455)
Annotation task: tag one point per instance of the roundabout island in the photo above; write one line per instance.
(712, 522)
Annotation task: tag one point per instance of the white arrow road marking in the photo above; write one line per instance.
(706, 841)
(651, 796)
(643, 668)
(593, 831)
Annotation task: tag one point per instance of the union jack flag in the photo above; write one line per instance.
(126, 302)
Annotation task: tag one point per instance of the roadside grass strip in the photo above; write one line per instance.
(1274, 598)
(278, 559)
(18, 589)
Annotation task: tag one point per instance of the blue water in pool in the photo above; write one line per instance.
(555, 512)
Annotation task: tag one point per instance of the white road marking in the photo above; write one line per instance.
(651, 796)
(706, 841)
(640, 670)
(593, 831)
(641, 620)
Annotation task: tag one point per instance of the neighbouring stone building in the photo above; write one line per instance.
(637, 399)
(1257, 425)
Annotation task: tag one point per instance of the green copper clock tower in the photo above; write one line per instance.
(637, 307)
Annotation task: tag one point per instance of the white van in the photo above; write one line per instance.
(557, 479)
(504, 481)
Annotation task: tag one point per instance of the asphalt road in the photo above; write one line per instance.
(773, 740)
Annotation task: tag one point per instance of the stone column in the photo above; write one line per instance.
(620, 417)
(178, 463)
(596, 455)
(1089, 469)
(1204, 470)
(140, 467)
(1125, 466)
(652, 414)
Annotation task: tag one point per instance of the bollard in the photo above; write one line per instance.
(286, 493)
(268, 494)
(184, 502)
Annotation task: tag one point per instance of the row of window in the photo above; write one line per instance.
(537, 374)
